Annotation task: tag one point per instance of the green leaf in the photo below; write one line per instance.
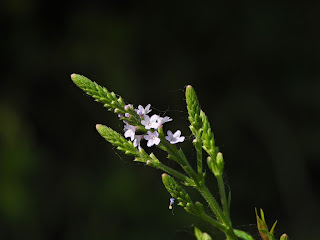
(273, 227)
(200, 235)
(263, 228)
(242, 235)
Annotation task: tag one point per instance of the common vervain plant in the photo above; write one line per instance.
(140, 125)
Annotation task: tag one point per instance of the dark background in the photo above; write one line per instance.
(255, 67)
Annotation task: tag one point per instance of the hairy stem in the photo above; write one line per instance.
(199, 158)
(175, 173)
(223, 196)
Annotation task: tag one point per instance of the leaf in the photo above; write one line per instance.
(262, 226)
(242, 235)
(273, 227)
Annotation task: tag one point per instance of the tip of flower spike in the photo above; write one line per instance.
(189, 87)
(75, 77)
(98, 126)
(164, 175)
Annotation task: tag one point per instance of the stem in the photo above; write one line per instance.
(223, 196)
(172, 150)
(227, 230)
(213, 222)
(175, 173)
(199, 157)
(212, 203)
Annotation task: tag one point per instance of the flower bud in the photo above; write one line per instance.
(284, 237)
(220, 162)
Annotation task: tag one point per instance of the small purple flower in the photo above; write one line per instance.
(162, 120)
(127, 115)
(129, 131)
(143, 111)
(174, 138)
(171, 203)
(128, 106)
(150, 122)
(137, 140)
(152, 138)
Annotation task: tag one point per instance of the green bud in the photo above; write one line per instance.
(113, 95)
(284, 237)
(213, 166)
(220, 162)
(120, 100)
(199, 207)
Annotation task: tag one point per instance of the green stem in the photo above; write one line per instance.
(212, 203)
(218, 212)
(227, 230)
(213, 222)
(175, 173)
(172, 150)
(223, 196)
(198, 147)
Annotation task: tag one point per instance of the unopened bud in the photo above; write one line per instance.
(284, 237)
(220, 161)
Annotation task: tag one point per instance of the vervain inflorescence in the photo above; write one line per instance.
(151, 125)
(139, 126)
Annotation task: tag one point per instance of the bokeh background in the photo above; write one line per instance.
(254, 65)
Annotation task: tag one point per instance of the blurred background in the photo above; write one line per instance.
(254, 66)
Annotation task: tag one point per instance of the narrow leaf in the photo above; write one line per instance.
(242, 235)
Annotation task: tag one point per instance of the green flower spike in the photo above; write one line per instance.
(194, 111)
(177, 192)
(207, 136)
(108, 99)
(196, 125)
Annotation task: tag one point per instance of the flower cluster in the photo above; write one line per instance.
(151, 124)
